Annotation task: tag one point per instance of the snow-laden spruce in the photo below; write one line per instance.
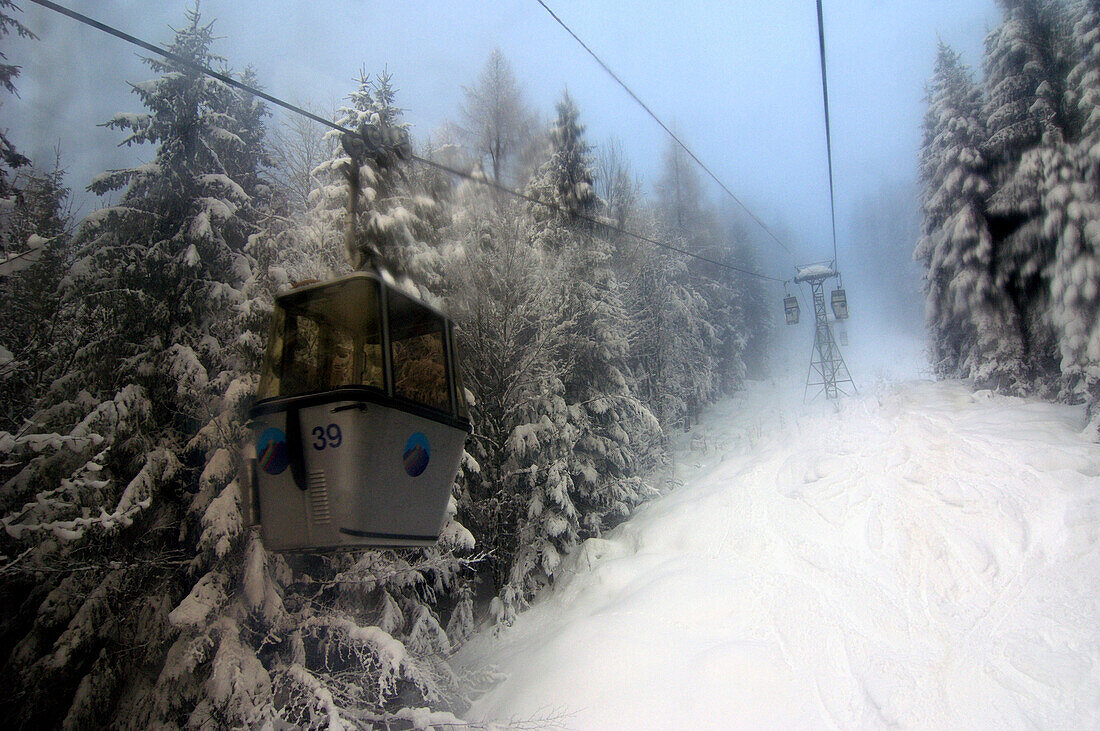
(1011, 220)
(972, 333)
(133, 596)
(393, 216)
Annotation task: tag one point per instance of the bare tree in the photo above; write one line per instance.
(616, 183)
(298, 145)
(496, 122)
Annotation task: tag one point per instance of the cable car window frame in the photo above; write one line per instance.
(461, 407)
(271, 377)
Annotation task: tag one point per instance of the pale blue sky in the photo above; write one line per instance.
(739, 79)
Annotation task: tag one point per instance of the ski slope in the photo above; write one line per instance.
(923, 557)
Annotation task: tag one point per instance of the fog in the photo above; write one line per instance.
(740, 80)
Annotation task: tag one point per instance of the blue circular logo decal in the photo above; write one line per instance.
(271, 452)
(417, 453)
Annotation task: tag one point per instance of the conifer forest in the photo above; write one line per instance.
(134, 593)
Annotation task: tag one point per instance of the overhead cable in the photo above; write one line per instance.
(665, 127)
(828, 134)
(224, 78)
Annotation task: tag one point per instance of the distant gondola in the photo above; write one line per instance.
(360, 421)
(790, 309)
(840, 304)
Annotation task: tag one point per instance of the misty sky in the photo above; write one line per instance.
(740, 79)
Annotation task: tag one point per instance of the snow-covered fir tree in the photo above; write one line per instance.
(564, 182)
(105, 471)
(757, 325)
(392, 217)
(1072, 214)
(1071, 205)
(698, 298)
(1024, 118)
(157, 607)
(1018, 204)
(668, 347)
(972, 330)
(9, 157)
(34, 339)
(507, 298)
(1083, 82)
(616, 432)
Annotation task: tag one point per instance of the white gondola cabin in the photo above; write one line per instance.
(790, 309)
(840, 304)
(360, 419)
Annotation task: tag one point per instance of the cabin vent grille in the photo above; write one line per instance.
(319, 512)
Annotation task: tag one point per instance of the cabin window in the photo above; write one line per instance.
(324, 338)
(419, 353)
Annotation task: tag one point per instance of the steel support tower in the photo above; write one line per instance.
(827, 367)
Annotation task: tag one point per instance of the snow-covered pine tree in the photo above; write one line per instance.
(1025, 121)
(394, 218)
(1083, 82)
(104, 475)
(752, 298)
(9, 157)
(724, 330)
(667, 350)
(35, 341)
(1071, 206)
(539, 450)
(701, 300)
(617, 436)
(972, 334)
(587, 474)
(565, 181)
(1072, 214)
(507, 297)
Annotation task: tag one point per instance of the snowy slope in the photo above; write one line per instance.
(925, 557)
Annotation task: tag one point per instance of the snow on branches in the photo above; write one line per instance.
(1011, 223)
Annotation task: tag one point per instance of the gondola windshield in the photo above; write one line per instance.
(323, 339)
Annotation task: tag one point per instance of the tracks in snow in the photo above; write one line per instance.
(926, 557)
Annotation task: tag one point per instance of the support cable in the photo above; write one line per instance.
(224, 78)
(828, 134)
(664, 126)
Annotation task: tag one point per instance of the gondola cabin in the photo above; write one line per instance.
(360, 419)
(790, 309)
(840, 304)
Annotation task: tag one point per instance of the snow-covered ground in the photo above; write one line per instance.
(924, 557)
